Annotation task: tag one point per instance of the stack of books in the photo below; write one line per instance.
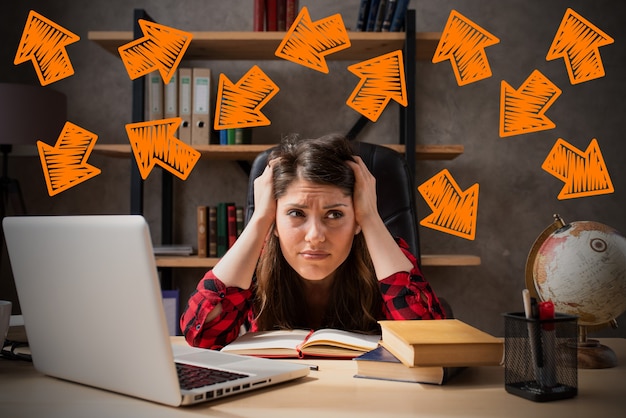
(428, 351)
(218, 228)
(381, 15)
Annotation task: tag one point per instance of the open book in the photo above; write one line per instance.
(303, 343)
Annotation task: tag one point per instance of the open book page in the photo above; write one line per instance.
(338, 339)
(279, 343)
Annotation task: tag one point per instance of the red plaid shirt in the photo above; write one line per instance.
(405, 296)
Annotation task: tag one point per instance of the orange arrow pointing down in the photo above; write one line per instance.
(43, 42)
(584, 173)
(454, 211)
(307, 43)
(64, 165)
(161, 48)
(523, 110)
(154, 143)
(577, 40)
(382, 79)
(463, 42)
(238, 105)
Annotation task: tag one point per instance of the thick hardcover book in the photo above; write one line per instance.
(371, 18)
(231, 231)
(258, 16)
(202, 231)
(240, 222)
(222, 228)
(441, 342)
(271, 15)
(381, 364)
(301, 343)
(291, 12)
(363, 15)
(390, 9)
(212, 228)
(397, 22)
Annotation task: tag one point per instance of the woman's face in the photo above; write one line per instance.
(315, 226)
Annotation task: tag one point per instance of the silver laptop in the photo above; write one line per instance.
(91, 301)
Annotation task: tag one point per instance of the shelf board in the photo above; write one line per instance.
(428, 260)
(249, 152)
(262, 45)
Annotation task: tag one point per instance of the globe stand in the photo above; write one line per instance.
(591, 354)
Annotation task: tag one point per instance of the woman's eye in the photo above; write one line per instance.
(335, 214)
(295, 213)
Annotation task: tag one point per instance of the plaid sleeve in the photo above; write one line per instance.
(223, 329)
(408, 295)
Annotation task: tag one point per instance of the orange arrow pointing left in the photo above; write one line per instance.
(454, 211)
(161, 48)
(463, 42)
(577, 40)
(239, 105)
(307, 42)
(382, 79)
(523, 110)
(64, 165)
(153, 142)
(43, 42)
(584, 173)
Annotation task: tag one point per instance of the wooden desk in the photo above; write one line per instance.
(330, 392)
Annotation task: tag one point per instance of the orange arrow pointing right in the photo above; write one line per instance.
(454, 211)
(238, 105)
(523, 110)
(43, 42)
(307, 42)
(577, 40)
(584, 173)
(463, 42)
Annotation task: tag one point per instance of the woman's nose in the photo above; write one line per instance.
(315, 231)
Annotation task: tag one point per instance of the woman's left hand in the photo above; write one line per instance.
(364, 196)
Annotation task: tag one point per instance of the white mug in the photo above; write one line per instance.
(5, 317)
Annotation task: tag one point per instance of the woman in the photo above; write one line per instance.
(315, 254)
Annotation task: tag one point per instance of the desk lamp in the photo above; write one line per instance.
(27, 114)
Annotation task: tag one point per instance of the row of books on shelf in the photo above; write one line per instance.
(274, 15)
(381, 15)
(418, 351)
(219, 227)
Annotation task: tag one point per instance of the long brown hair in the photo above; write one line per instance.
(355, 302)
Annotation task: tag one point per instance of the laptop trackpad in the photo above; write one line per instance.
(210, 358)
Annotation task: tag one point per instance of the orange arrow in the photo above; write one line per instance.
(238, 105)
(577, 40)
(463, 42)
(307, 43)
(153, 142)
(584, 173)
(43, 42)
(523, 110)
(382, 79)
(454, 211)
(64, 165)
(161, 47)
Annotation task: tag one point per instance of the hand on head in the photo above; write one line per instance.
(364, 196)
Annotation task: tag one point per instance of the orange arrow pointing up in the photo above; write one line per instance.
(454, 211)
(463, 42)
(584, 173)
(238, 105)
(161, 48)
(154, 143)
(307, 43)
(577, 40)
(64, 165)
(382, 79)
(43, 42)
(523, 110)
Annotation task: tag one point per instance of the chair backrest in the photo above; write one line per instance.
(394, 188)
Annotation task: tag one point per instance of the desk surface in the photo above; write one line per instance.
(331, 391)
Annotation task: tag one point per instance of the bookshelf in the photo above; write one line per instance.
(259, 46)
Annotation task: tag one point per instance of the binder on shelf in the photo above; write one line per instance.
(170, 98)
(201, 98)
(154, 96)
(184, 104)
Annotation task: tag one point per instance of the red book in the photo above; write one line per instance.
(232, 224)
(271, 15)
(259, 16)
(291, 13)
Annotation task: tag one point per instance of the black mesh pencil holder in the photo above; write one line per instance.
(540, 357)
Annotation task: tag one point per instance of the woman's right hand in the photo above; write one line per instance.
(264, 201)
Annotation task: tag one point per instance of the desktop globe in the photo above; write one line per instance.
(581, 268)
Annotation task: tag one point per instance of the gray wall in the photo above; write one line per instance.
(517, 198)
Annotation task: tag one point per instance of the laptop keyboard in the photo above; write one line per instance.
(191, 377)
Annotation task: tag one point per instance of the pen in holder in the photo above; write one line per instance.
(540, 356)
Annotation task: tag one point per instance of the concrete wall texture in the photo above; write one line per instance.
(517, 197)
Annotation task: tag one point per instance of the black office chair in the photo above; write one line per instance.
(394, 188)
